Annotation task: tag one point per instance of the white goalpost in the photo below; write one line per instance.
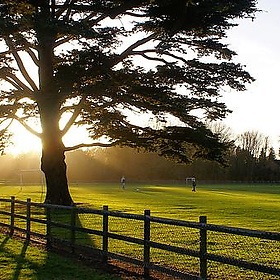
(23, 173)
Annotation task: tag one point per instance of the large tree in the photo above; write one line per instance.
(97, 61)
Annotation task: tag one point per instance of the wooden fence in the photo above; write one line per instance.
(198, 241)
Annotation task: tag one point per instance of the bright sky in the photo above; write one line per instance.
(257, 44)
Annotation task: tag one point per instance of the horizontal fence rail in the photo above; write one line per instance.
(182, 249)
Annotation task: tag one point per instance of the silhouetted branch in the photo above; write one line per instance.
(27, 127)
(96, 144)
(74, 116)
(20, 64)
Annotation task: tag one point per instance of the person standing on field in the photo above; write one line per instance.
(123, 182)
(193, 185)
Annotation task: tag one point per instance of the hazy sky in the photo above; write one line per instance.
(257, 44)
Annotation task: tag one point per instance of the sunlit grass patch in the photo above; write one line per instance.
(22, 261)
(254, 206)
(247, 206)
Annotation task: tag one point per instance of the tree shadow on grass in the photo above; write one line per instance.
(33, 262)
(27, 261)
(70, 258)
(69, 239)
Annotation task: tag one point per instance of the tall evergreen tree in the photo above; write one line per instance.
(99, 60)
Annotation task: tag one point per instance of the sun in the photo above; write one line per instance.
(23, 142)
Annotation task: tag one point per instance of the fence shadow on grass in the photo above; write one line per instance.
(11, 257)
(20, 260)
(61, 230)
(4, 242)
(25, 260)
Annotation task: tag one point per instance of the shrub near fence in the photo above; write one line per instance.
(187, 250)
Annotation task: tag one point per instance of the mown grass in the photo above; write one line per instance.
(252, 206)
(21, 261)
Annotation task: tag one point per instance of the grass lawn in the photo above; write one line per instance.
(254, 206)
(250, 206)
(20, 261)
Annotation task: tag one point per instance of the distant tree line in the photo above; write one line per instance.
(250, 159)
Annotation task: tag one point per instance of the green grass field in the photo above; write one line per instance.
(254, 206)
(19, 261)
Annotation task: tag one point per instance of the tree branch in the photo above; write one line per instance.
(12, 82)
(67, 8)
(27, 127)
(17, 83)
(20, 64)
(96, 144)
(32, 55)
(173, 56)
(28, 48)
(155, 51)
(74, 116)
(69, 5)
(135, 14)
(9, 124)
(67, 109)
(129, 50)
(63, 8)
(143, 54)
(62, 40)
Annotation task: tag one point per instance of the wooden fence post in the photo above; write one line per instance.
(48, 233)
(28, 216)
(12, 222)
(105, 233)
(203, 247)
(73, 228)
(147, 236)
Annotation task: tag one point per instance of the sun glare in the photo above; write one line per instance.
(24, 142)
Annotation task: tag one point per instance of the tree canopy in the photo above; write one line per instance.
(98, 63)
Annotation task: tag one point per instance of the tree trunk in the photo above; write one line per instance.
(49, 101)
(53, 153)
(54, 166)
